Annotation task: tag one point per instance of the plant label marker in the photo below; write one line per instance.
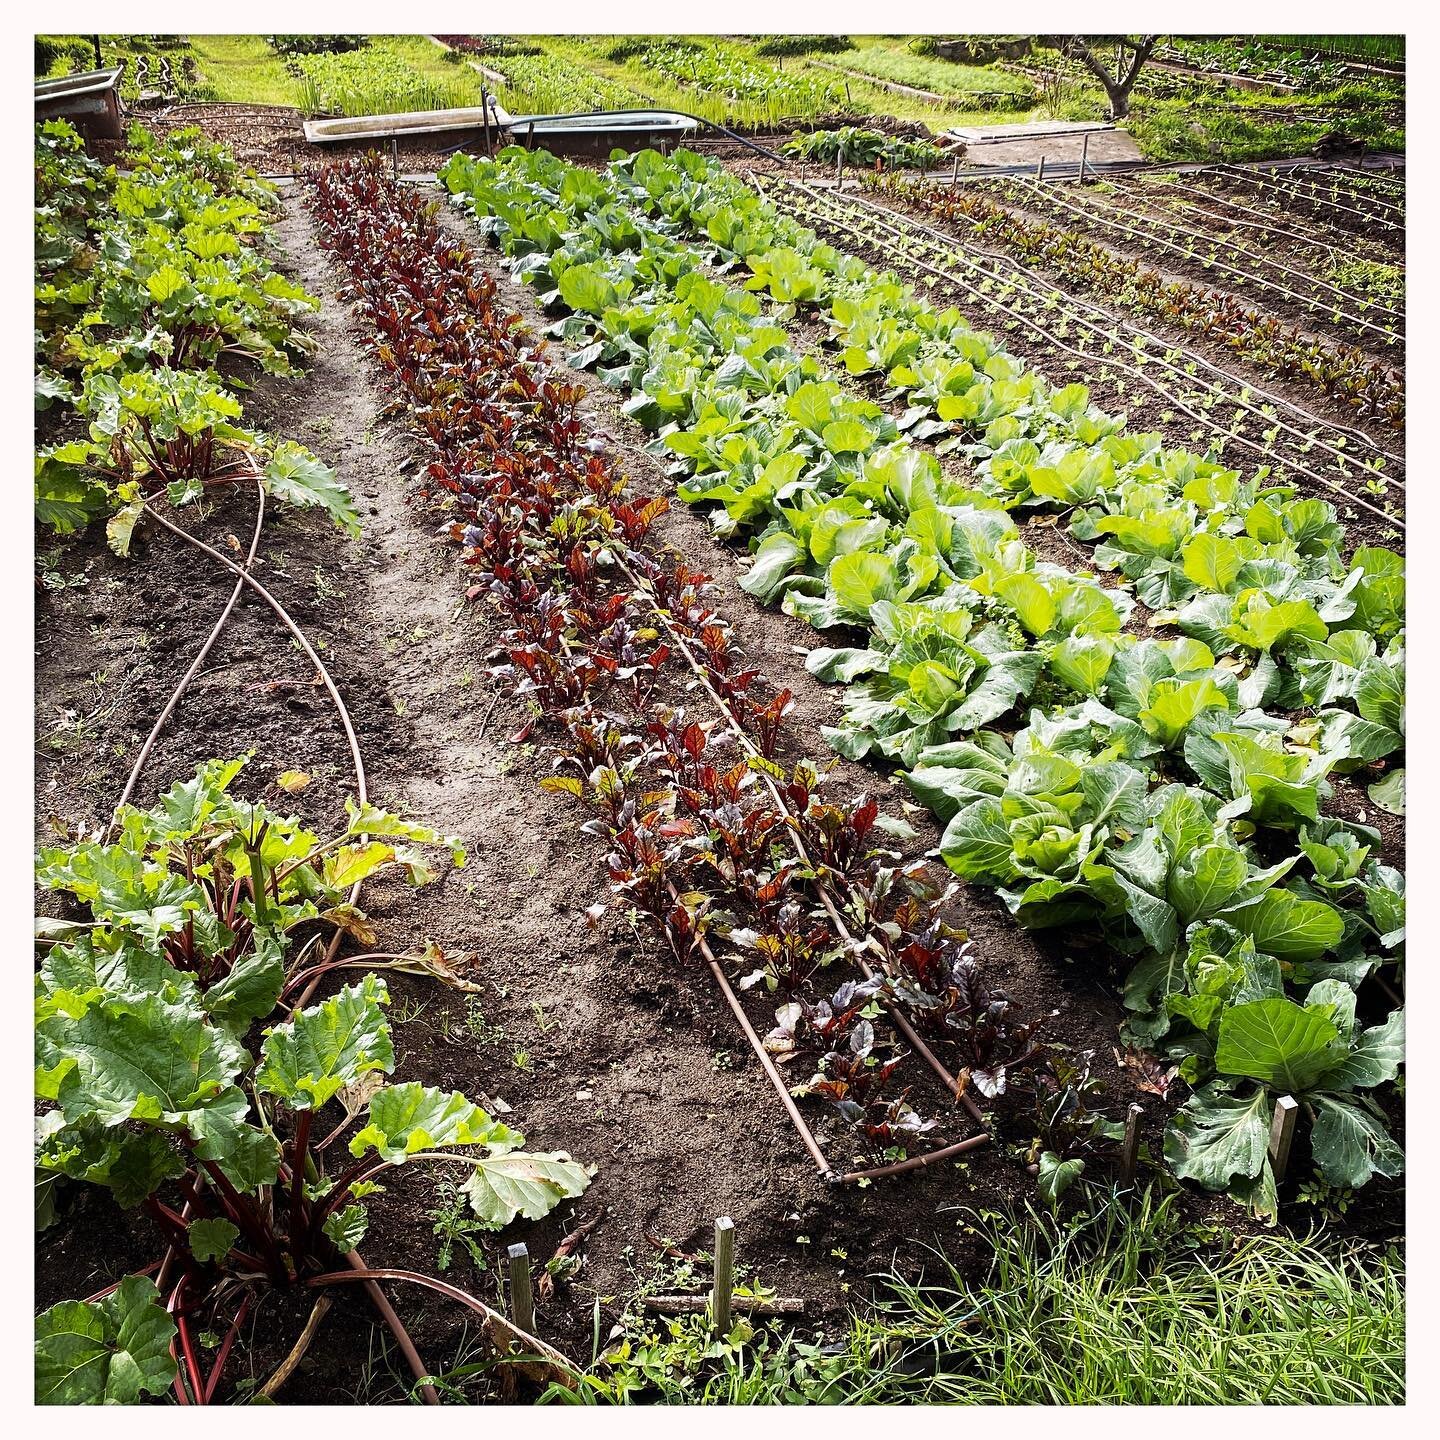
(724, 1275)
(522, 1299)
(1282, 1133)
(1130, 1145)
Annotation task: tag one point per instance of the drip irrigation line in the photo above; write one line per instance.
(1380, 177)
(807, 1135)
(792, 827)
(916, 1162)
(1295, 193)
(1346, 248)
(195, 665)
(1304, 183)
(1022, 275)
(1113, 362)
(1307, 182)
(548, 1355)
(1266, 223)
(1310, 302)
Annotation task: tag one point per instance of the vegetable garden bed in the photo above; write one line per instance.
(1141, 702)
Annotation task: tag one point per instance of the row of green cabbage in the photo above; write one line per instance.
(1200, 546)
(1134, 797)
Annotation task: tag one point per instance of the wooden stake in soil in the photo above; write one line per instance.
(1040, 168)
(522, 1300)
(1084, 151)
(394, 158)
(839, 159)
(1130, 1145)
(1282, 1133)
(955, 170)
(724, 1275)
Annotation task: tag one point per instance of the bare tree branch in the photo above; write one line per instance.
(1119, 85)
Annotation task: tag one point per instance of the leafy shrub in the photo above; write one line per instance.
(316, 44)
(196, 925)
(803, 45)
(858, 146)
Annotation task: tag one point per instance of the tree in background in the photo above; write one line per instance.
(1131, 52)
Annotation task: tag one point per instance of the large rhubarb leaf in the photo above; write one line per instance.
(328, 1046)
(411, 1117)
(109, 1352)
(519, 1183)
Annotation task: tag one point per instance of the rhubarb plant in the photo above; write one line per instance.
(199, 923)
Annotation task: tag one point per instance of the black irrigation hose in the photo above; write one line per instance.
(1137, 372)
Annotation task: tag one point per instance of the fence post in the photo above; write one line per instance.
(522, 1300)
(1282, 1133)
(724, 1275)
(1130, 1145)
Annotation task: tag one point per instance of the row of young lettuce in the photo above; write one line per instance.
(1167, 792)
(178, 1061)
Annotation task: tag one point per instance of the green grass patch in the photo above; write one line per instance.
(1117, 1308)
(941, 77)
(243, 69)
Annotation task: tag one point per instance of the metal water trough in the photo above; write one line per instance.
(91, 100)
(600, 132)
(359, 128)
